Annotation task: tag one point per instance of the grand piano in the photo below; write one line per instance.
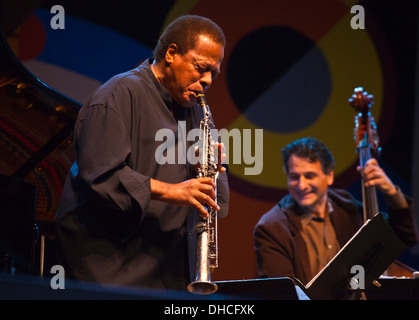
(36, 124)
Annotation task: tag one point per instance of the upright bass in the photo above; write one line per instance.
(367, 142)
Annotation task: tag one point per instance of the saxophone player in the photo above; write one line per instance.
(124, 219)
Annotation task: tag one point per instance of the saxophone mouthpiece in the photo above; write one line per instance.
(200, 98)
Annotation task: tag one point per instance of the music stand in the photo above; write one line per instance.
(269, 288)
(374, 247)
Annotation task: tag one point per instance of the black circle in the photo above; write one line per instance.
(262, 58)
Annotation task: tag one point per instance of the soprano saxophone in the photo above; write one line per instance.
(206, 228)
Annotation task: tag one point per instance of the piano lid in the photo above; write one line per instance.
(36, 122)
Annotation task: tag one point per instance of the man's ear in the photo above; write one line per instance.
(331, 177)
(171, 52)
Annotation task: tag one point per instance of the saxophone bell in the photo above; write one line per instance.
(202, 284)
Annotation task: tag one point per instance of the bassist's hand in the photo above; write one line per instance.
(374, 175)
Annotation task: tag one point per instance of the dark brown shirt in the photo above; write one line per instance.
(320, 237)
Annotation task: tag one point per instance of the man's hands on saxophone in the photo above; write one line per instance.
(220, 159)
(221, 156)
(195, 192)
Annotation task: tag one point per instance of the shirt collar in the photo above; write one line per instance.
(306, 217)
(164, 93)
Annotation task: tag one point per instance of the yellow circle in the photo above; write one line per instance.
(353, 62)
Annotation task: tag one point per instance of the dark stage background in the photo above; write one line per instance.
(289, 69)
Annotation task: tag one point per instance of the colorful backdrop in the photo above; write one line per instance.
(289, 69)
